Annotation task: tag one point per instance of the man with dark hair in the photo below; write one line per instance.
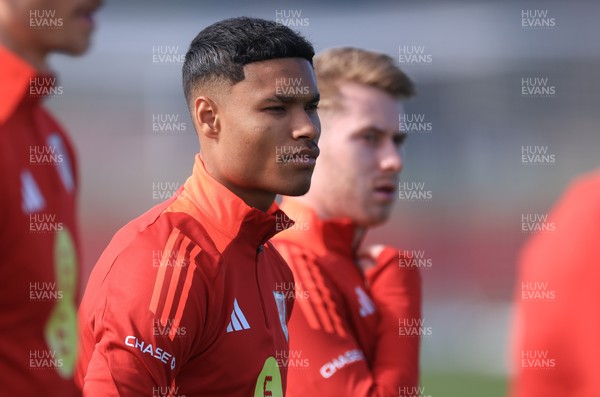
(353, 325)
(191, 298)
(39, 242)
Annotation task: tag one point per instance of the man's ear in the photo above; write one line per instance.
(206, 117)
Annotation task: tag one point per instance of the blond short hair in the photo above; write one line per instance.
(354, 65)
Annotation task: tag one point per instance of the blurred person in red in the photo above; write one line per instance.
(351, 299)
(555, 343)
(39, 245)
(191, 298)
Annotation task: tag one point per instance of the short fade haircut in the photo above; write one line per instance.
(220, 51)
(354, 65)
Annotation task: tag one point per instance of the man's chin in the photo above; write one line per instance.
(75, 48)
(376, 217)
(294, 190)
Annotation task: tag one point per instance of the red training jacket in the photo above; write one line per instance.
(39, 247)
(556, 345)
(189, 299)
(350, 335)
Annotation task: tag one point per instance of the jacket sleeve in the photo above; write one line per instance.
(396, 291)
(143, 327)
(321, 335)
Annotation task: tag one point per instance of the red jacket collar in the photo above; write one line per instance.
(322, 236)
(16, 79)
(225, 215)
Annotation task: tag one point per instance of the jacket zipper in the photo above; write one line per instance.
(260, 294)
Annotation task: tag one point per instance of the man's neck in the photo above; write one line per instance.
(310, 202)
(255, 199)
(28, 53)
(359, 235)
(260, 200)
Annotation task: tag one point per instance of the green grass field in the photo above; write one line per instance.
(463, 385)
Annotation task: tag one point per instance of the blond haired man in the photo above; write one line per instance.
(350, 299)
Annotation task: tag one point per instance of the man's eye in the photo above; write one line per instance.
(371, 138)
(275, 108)
(399, 140)
(312, 107)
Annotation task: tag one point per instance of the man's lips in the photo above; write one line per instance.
(386, 187)
(312, 152)
(304, 156)
(307, 157)
(385, 190)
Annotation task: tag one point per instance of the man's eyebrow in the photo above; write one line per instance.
(375, 129)
(293, 98)
(395, 133)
